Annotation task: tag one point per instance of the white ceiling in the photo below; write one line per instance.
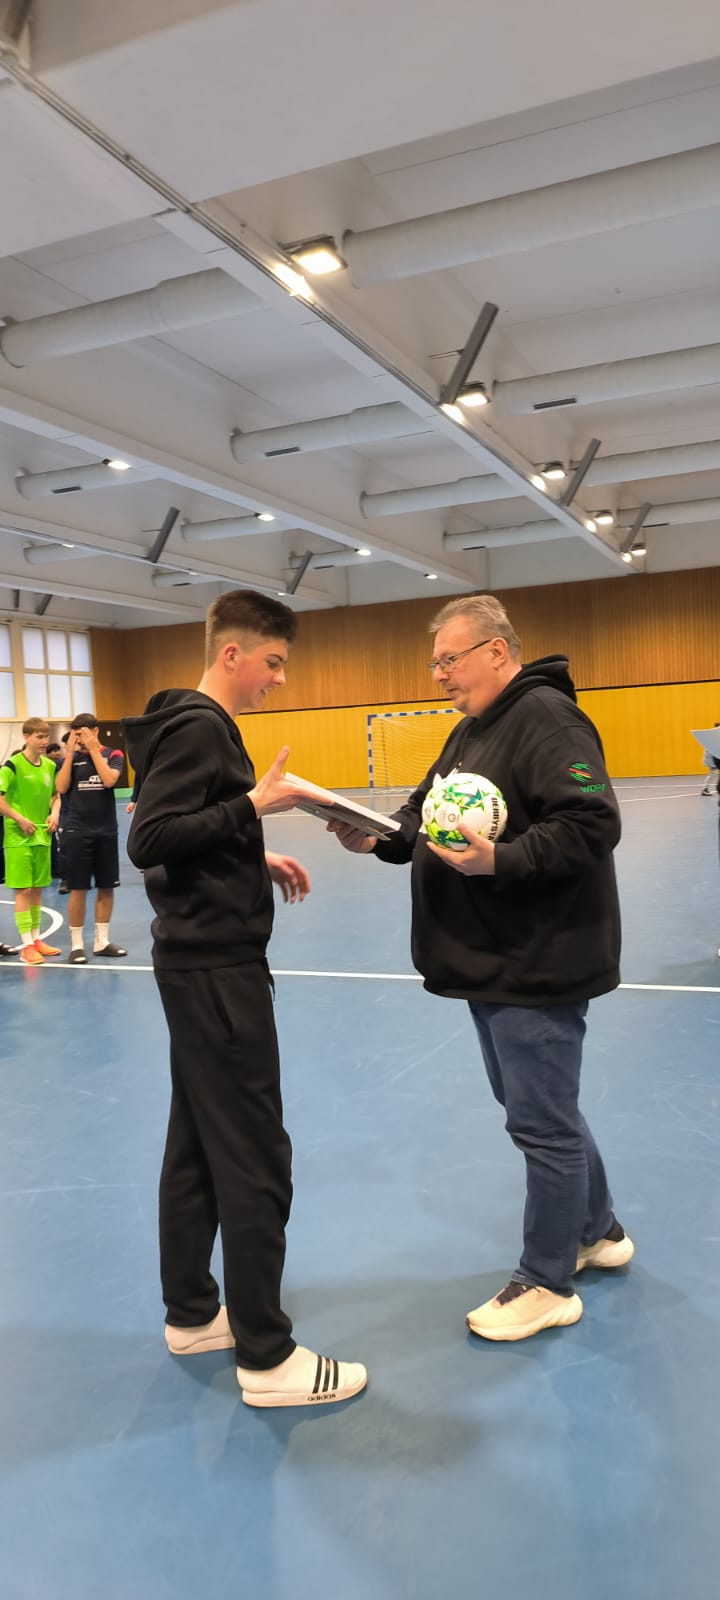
(248, 126)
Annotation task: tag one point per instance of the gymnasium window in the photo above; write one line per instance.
(57, 673)
(7, 681)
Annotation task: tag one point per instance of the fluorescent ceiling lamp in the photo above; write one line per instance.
(291, 280)
(604, 519)
(118, 466)
(554, 471)
(638, 549)
(627, 556)
(475, 394)
(363, 551)
(317, 256)
(265, 516)
(452, 411)
(538, 482)
(431, 577)
(590, 525)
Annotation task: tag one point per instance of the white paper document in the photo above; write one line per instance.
(709, 738)
(333, 807)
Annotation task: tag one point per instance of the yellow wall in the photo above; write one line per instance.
(329, 747)
(645, 731)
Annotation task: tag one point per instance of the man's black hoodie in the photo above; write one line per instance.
(546, 928)
(195, 834)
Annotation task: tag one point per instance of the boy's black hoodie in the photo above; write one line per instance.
(546, 928)
(195, 834)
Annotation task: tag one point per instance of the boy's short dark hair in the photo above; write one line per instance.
(84, 719)
(51, 749)
(243, 613)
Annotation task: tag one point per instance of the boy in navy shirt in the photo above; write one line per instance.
(90, 832)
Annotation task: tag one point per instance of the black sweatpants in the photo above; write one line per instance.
(227, 1158)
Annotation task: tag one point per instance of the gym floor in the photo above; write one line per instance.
(581, 1462)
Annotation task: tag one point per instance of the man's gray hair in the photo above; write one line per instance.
(487, 614)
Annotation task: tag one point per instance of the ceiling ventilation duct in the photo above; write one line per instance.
(176, 303)
(495, 538)
(681, 513)
(464, 491)
(37, 555)
(392, 421)
(611, 380)
(641, 192)
(71, 480)
(630, 468)
(224, 528)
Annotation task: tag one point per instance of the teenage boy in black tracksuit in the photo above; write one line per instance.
(197, 835)
(527, 931)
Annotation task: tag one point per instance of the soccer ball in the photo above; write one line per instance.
(464, 794)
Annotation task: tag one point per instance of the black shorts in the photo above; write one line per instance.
(90, 856)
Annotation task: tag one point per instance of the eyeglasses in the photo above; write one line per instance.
(446, 663)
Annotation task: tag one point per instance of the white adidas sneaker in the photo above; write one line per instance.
(304, 1379)
(215, 1335)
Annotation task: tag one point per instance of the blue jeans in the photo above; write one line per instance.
(532, 1055)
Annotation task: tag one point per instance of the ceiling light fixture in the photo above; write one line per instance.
(291, 280)
(475, 394)
(538, 482)
(452, 411)
(264, 516)
(590, 525)
(118, 465)
(639, 549)
(431, 577)
(604, 519)
(627, 557)
(554, 471)
(317, 256)
(362, 550)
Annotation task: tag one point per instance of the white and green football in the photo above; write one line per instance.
(464, 794)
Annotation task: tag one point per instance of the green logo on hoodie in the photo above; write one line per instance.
(580, 771)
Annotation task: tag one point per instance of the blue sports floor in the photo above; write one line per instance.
(582, 1463)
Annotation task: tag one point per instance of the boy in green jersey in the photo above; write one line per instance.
(31, 809)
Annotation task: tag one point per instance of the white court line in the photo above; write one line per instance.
(378, 977)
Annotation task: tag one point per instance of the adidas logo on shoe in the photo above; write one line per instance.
(304, 1379)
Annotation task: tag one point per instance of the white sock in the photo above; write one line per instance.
(76, 938)
(102, 935)
(28, 938)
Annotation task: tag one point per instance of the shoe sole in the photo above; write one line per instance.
(276, 1397)
(512, 1335)
(620, 1260)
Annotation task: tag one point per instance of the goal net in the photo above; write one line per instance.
(403, 744)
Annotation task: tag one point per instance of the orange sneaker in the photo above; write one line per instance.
(44, 949)
(31, 956)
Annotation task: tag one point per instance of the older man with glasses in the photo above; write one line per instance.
(527, 931)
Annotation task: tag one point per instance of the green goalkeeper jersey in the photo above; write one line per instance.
(28, 789)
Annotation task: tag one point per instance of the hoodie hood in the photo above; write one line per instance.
(161, 713)
(548, 672)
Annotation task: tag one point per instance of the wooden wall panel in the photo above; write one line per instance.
(658, 628)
